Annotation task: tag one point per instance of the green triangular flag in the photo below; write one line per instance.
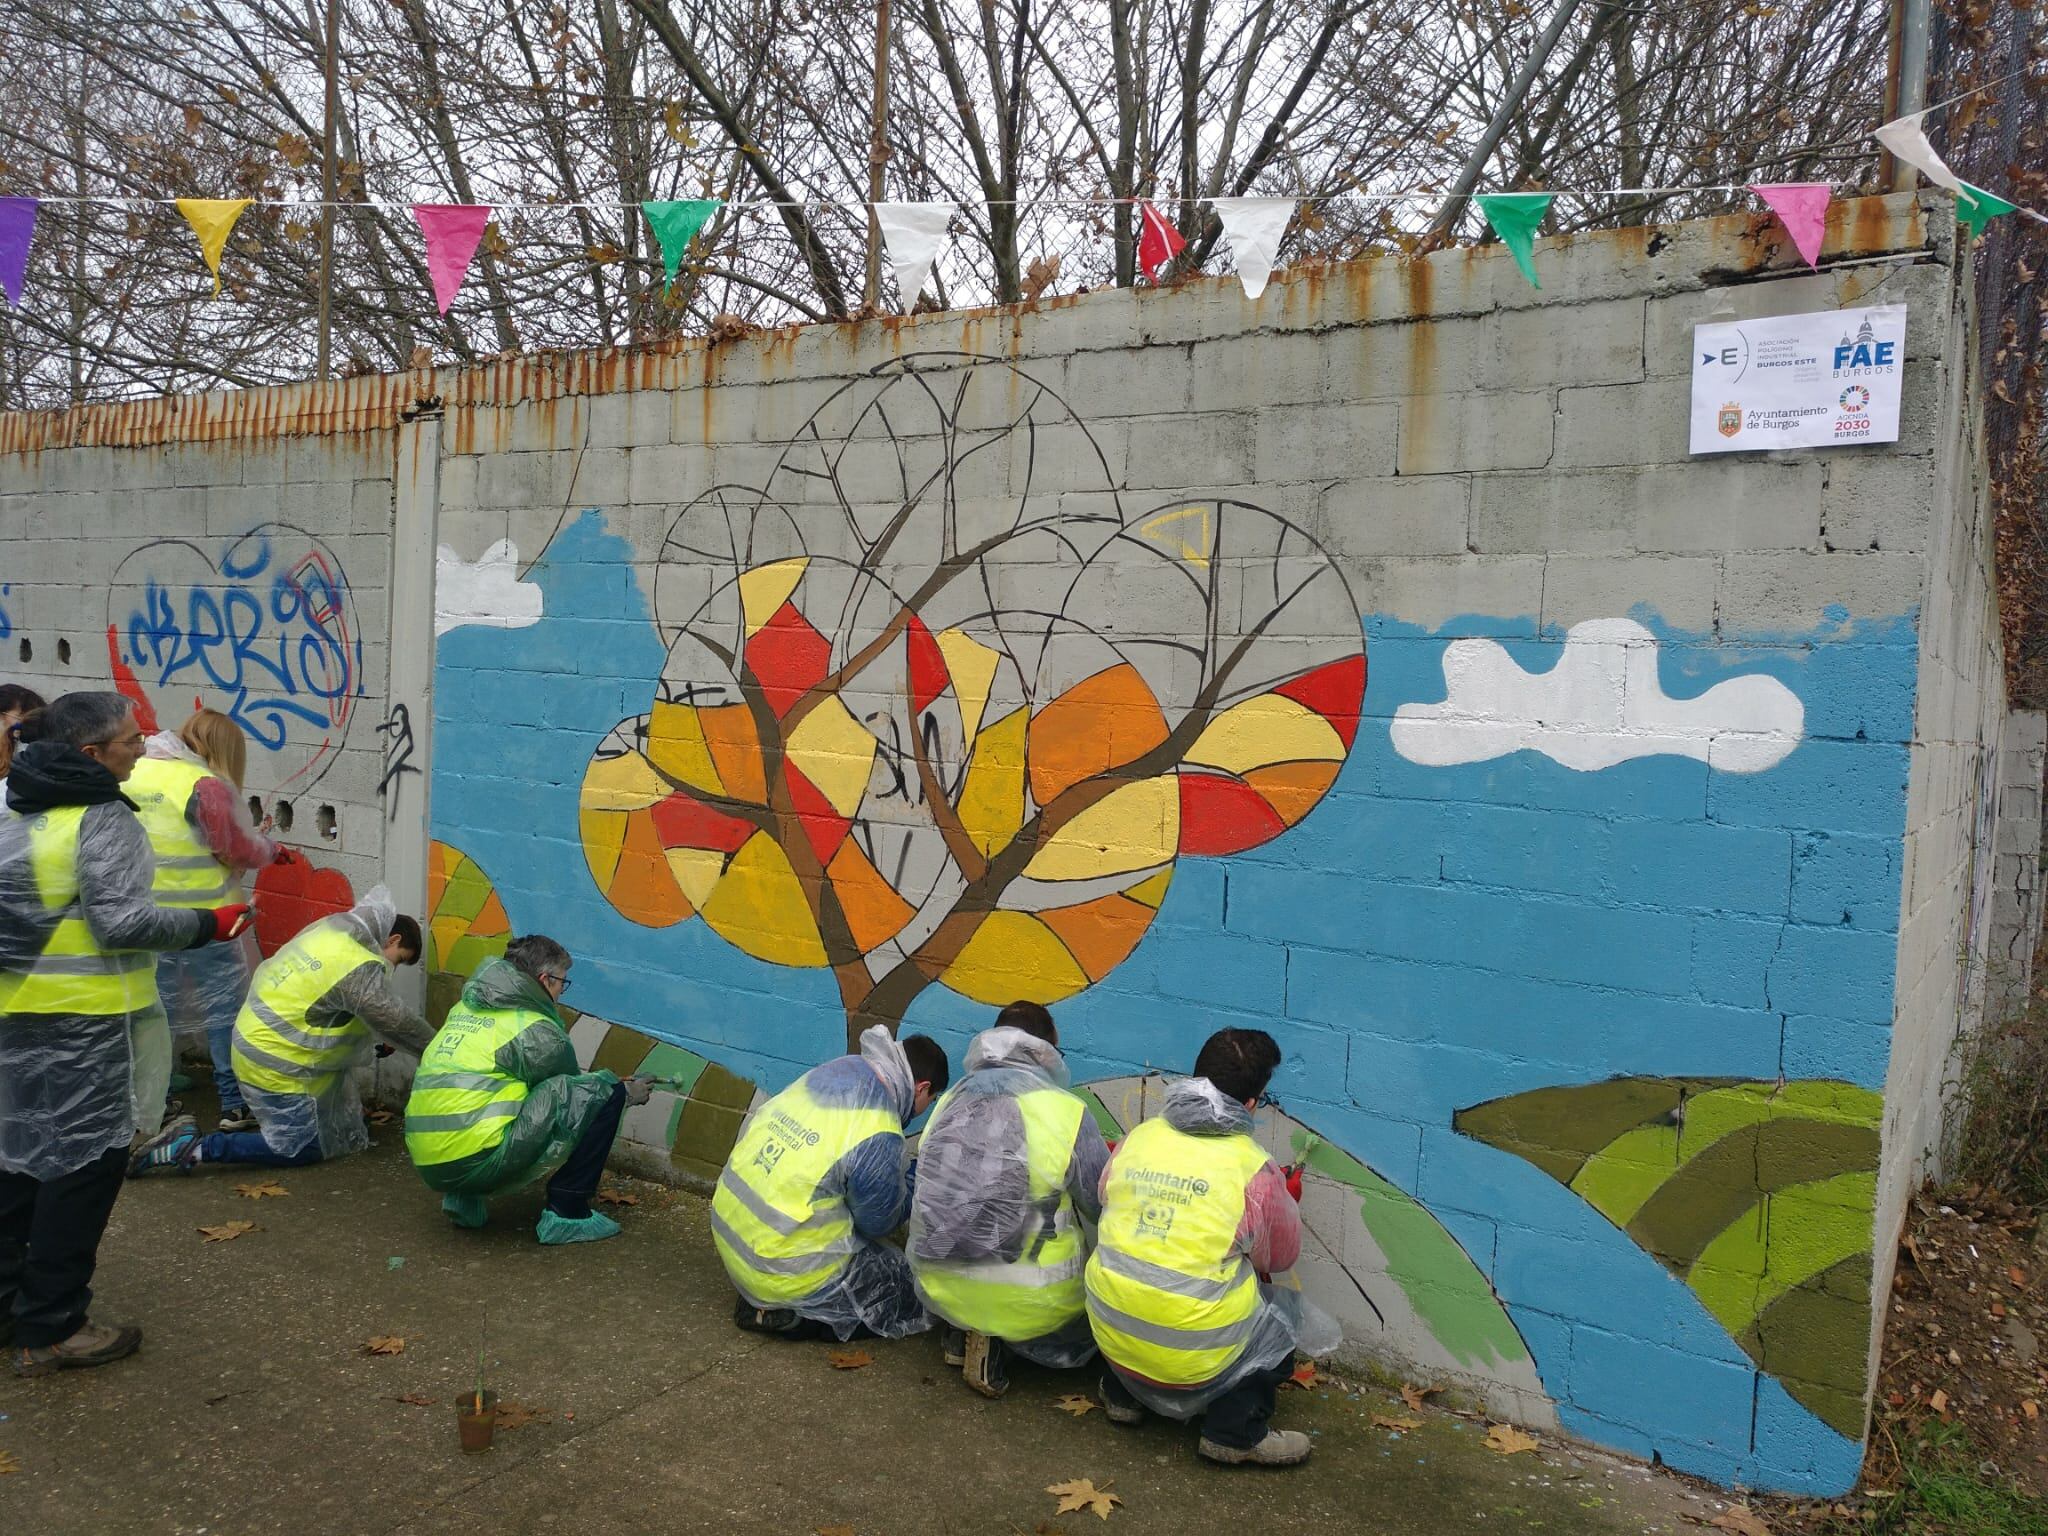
(1514, 217)
(1976, 208)
(675, 225)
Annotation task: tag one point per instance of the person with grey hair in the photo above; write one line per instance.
(78, 936)
(499, 1102)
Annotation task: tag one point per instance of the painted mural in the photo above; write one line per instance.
(1578, 943)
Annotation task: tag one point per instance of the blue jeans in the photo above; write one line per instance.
(250, 1147)
(220, 1040)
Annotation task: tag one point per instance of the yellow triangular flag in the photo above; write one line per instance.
(212, 219)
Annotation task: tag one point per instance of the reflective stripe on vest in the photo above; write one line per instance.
(1169, 1296)
(187, 873)
(1040, 1292)
(461, 1103)
(72, 974)
(277, 1046)
(780, 1236)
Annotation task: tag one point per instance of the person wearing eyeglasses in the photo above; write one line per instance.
(499, 1102)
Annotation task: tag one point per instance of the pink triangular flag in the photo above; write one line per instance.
(1802, 207)
(452, 231)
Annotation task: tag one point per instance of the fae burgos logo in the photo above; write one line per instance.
(1865, 356)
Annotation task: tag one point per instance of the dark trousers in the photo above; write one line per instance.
(250, 1147)
(1238, 1418)
(50, 1233)
(569, 1191)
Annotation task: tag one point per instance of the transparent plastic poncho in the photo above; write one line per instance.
(329, 1116)
(68, 1091)
(1288, 1322)
(203, 989)
(978, 1223)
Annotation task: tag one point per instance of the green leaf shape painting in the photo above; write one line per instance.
(1759, 1195)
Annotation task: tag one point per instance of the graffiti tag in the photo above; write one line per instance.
(398, 743)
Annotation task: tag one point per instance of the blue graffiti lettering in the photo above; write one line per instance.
(6, 624)
(274, 641)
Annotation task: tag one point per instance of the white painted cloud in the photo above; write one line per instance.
(1602, 704)
(487, 592)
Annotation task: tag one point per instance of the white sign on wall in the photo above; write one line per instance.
(1798, 381)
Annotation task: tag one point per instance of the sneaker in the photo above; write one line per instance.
(982, 1365)
(953, 1345)
(175, 1146)
(763, 1319)
(1280, 1448)
(1118, 1406)
(93, 1344)
(241, 1118)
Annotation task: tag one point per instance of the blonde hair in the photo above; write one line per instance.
(219, 743)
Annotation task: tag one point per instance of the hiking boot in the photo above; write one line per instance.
(176, 1147)
(1118, 1405)
(1280, 1448)
(953, 1345)
(763, 1319)
(93, 1344)
(241, 1118)
(981, 1365)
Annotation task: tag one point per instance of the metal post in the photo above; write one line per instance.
(1454, 205)
(327, 180)
(407, 738)
(878, 158)
(1905, 82)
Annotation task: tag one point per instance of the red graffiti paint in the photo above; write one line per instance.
(291, 896)
(126, 684)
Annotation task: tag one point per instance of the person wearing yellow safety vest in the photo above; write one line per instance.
(188, 791)
(816, 1180)
(1196, 1218)
(499, 1101)
(77, 975)
(1006, 1203)
(315, 1010)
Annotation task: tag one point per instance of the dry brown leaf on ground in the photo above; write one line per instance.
(384, 1344)
(1415, 1397)
(269, 1189)
(1080, 1493)
(1395, 1421)
(2018, 1276)
(616, 1197)
(1509, 1440)
(8, 1465)
(835, 1530)
(513, 1415)
(1742, 1520)
(1076, 1403)
(1304, 1377)
(848, 1359)
(2030, 1408)
(414, 1399)
(228, 1231)
(379, 1117)
(1938, 1402)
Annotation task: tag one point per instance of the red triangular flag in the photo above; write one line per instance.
(1802, 207)
(452, 231)
(1158, 243)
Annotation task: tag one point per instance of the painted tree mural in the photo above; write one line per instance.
(962, 733)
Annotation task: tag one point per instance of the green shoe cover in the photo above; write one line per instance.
(565, 1229)
(465, 1210)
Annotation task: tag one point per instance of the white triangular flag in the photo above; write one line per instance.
(1907, 141)
(1254, 225)
(913, 233)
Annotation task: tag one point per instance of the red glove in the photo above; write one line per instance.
(1294, 1183)
(228, 922)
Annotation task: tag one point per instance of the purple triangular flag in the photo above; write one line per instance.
(17, 228)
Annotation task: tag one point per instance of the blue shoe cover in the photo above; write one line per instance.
(465, 1210)
(567, 1229)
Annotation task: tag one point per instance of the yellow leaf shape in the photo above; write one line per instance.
(1132, 828)
(696, 871)
(1267, 729)
(835, 753)
(758, 906)
(676, 745)
(991, 804)
(604, 836)
(972, 666)
(1014, 957)
(766, 588)
(623, 783)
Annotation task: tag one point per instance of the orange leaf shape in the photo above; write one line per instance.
(1101, 723)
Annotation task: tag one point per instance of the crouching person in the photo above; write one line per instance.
(1006, 1198)
(816, 1180)
(499, 1101)
(315, 1011)
(1195, 1219)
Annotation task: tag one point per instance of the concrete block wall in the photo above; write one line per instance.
(1609, 1040)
